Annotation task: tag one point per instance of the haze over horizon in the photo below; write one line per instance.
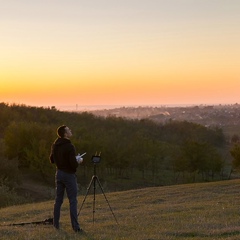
(122, 53)
(82, 108)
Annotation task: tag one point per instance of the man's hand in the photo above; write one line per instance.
(79, 159)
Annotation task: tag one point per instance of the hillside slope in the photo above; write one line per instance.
(191, 211)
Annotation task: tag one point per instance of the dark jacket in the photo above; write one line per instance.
(63, 154)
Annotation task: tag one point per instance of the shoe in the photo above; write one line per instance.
(79, 230)
(56, 226)
(48, 221)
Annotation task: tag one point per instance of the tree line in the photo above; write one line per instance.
(139, 152)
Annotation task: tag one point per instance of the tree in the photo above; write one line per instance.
(235, 153)
(199, 157)
(29, 143)
(235, 139)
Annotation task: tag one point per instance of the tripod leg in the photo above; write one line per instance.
(106, 198)
(89, 186)
(94, 196)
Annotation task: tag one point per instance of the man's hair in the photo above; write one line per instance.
(61, 131)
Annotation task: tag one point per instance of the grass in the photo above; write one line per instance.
(190, 211)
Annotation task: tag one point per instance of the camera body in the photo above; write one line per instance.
(96, 159)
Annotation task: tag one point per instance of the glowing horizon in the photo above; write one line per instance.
(134, 53)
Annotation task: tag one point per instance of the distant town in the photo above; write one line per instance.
(226, 117)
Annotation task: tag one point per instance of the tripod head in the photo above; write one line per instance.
(96, 158)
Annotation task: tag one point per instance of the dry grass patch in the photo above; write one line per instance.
(191, 211)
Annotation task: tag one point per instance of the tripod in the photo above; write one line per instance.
(93, 181)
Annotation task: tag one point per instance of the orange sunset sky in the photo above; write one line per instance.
(112, 52)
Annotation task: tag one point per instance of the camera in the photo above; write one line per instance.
(96, 159)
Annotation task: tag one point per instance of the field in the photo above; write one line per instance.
(191, 211)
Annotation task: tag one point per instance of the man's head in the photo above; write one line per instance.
(64, 132)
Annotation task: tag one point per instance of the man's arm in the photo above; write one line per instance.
(72, 158)
(51, 158)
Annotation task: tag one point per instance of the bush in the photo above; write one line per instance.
(9, 197)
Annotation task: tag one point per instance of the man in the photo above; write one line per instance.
(63, 155)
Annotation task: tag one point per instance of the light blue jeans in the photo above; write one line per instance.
(66, 181)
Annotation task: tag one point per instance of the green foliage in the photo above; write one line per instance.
(29, 142)
(9, 173)
(199, 157)
(9, 197)
(128, 147)
(235, 152)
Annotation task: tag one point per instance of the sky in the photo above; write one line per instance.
(119, 52)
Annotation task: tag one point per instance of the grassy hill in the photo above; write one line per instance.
(191, 211)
